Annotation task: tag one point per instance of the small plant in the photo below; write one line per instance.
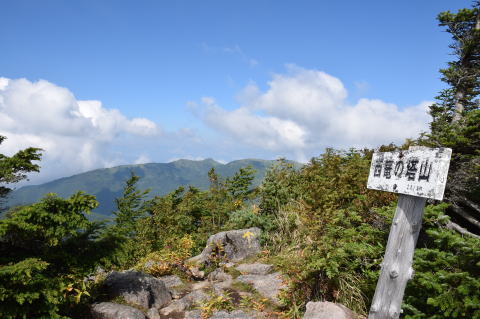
(165, 261)
(254, 303)
(221, 302)
(217, 256)
(75, 291)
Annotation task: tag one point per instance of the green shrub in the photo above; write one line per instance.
(45, 247)
(330, 237)
(447, 272)
(28, 291)
(248, 217)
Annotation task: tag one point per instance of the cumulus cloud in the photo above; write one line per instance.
(74, 134)
(262, 131)
(304, 111)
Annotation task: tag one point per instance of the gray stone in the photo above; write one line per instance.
(176, 294)
(171, 281)
(268, 286)
(219, 275)
(200, 285)
(197, 273)
(110, 310)
(137, 288)
(194, 314)
(187, 301)
(237, 314)
(152, 313)
(254, 269)
(233, 245)
(328, 310)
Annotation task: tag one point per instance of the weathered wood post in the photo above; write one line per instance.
(416, 174)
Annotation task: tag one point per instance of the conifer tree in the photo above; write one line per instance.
(456, 116)
(130, 207)
(13, 169)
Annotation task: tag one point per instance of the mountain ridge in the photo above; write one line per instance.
(161, 178)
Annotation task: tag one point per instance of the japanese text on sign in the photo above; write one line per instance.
(420, 171)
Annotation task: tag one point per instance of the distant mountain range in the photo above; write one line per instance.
(161, 178)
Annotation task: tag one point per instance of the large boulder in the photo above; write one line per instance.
(232, 245)
(137, 288)
(328, 310)
(109, 310)
(152, 313)
(171, 281)
(268, 286)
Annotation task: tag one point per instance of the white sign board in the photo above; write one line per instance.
(420, 171)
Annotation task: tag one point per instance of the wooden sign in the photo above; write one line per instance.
(417, 174)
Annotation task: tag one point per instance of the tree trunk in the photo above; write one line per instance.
(460, 91)
(459, 95)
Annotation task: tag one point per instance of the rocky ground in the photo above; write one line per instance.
(236, 287)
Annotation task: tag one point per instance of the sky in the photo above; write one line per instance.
(105, 83)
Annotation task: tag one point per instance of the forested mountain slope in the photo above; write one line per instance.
(161, 178)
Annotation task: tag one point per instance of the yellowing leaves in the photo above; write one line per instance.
(248, 235)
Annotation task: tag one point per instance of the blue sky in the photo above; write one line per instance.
(220, 79)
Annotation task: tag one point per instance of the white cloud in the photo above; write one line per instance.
(301, 95)
(304, 111)
(262, 131)
(142, 159)
(74, 134)
(187, 157)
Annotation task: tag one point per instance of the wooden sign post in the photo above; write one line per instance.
(416, 174)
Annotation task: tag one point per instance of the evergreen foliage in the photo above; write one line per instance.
(239, 184)
(123, 233)
(130, 208)
(447, 272)
(279, 186)
(13, 169)
(43, 248)
(332, 224)
(456, 116)
(195, 212)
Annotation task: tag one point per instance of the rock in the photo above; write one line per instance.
(99, 273)
(221, 281)
(200, 285)
(237, 314)
(219, 275)
(233, 245)
(328, 310)
(175, 293)
(152, 313)
(110, 310)
(189, 300)
(197, 273)
(137, 288)
(268, 286)
(171, 281)
(194, 314)
(254, 269)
